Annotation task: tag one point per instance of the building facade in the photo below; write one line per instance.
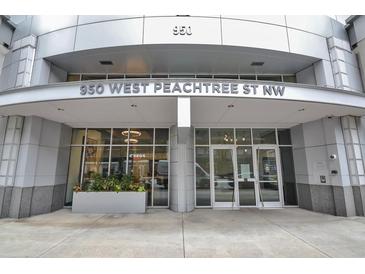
(205, 111)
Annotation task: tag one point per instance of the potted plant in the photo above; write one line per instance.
(109, 195)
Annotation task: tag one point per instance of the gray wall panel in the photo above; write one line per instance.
(46, 23)
(256, 35)
(308, 44)
(160, 30)
(318, 24)
(109, 34)
(56, 42)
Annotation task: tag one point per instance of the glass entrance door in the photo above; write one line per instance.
(224, 177)
(268, 177)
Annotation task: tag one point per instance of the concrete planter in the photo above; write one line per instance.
(109, 202)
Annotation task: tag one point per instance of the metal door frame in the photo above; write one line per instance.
(280, 203)
(235, 204)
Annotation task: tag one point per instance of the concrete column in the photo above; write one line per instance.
(345, 67)
(41, 173)
(8, 160)
(182, 160)
(18, 64)
(323, 183)
(358, 179)
(323, 73)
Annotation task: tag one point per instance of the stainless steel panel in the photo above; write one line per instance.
(109, 34)
(56, 42)
(86, 19)
(308, 44)
(160, 30)
(319, 24)
(270, 19)
(255, 35)
(42, 24)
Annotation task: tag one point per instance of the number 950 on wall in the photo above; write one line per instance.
(182, 30)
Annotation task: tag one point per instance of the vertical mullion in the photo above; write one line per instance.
(153, 168)
(127, 162)
(83, 158)
(110, 150)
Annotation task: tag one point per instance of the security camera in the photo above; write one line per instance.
(333, 157)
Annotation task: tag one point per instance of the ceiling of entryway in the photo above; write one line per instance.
(186, 59)
(162, 111)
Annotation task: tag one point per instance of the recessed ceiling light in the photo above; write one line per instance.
(231, 106)
(106, 63)
(257, 64)
(133, 105)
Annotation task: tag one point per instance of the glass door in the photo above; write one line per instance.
(224, 177)
(268, 176)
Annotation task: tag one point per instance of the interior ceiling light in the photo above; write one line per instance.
(131, 141)
(134, 133)
(257, 64)
(106, 63)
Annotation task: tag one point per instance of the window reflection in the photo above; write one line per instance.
(140, 161)
(96, 162)
(121, 155)
(202, 173)
(118, 161)
(141, 136)
(222, 136)
(99, 136)
(161, 181)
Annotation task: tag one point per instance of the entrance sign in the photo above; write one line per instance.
(180, 88)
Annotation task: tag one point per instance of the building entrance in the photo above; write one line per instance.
(242, 173)
(233, 185)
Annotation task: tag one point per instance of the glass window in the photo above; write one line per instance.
(96, 162)
(78, 136)
(284, 137)
(73, 77)
(248, 77)
(202, 136)
(245, 171)
(244, 163)
(74, 173)
(120, 136)
(290, 78)
(100, 136)
(87, 77)
(140, 160)
(287, 168)
(161, 176)
(202, 171)
(275, 78)
(118, 161)
(115, 76)
(243, 136)
(225, 76)
(264, 136)
(141, 136)
(222, 136)
(161, 136)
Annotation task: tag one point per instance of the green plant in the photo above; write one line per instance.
(111, 183)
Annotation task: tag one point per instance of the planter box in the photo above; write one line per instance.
(109, 202)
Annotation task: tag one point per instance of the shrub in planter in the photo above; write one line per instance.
(110, 195)
(111, 183)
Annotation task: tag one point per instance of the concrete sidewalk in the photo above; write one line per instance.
(289, 232)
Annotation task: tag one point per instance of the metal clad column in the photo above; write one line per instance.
(182, 159)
